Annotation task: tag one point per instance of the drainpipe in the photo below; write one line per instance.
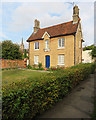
(74, 49)
(29, 53)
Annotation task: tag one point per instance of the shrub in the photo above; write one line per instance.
(24, 100)
(56, 68)
(29, 67)
(34, 66)
(40, 65)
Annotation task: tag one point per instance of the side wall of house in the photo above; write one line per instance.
(86, 56)
(78, 43)
(68, 51)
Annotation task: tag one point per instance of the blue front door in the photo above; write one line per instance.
(47, 61)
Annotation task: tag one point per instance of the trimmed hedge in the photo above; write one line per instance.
(25, 100)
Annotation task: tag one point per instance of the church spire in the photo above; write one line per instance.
(22, 45)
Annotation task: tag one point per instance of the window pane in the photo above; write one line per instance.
(36, 59)
(59, 43)
(37, 45)
(61, 59)
(63, 41)
(46, 43)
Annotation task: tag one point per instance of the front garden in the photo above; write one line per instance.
(32, 93)
(10, 76)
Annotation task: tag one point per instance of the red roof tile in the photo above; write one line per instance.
(67, 28)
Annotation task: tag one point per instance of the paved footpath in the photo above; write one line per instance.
(77, 104)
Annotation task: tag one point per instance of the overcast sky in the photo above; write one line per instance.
(18, 18)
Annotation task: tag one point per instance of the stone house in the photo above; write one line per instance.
(57, 46)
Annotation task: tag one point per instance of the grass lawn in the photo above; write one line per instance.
(17, 75)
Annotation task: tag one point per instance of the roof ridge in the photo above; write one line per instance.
(56, 25)
(65, 28)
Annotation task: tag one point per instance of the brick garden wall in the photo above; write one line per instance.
(13, 63)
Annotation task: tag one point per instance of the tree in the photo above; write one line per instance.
(10, 50)
(88, 47)
(93, 52)
(0, 50)
(25, 54)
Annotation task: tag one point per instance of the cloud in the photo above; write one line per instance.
(50, 13)
(23, 17)
(87, 17)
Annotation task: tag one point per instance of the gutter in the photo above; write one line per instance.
(53, 36)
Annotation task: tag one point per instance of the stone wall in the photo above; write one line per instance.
(54, 51)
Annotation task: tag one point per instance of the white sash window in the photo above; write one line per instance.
(60, 59)
(61, 43)
(36, 46)
(46, 44)
(36, 59)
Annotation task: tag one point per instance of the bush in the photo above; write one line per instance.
(56, 68)
(40, 65)
(29, 67)
(25, 99)
(34, 66)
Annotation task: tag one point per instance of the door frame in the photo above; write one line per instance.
(45, 61)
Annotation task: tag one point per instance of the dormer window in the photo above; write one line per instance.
(36, 45)
(46, 44)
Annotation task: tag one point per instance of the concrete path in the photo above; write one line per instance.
(77, 104)
(37, 70)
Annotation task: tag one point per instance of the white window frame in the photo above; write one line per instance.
(46, 44)
(61, 39)
(34, 46)
(36, 59)
(60, 59)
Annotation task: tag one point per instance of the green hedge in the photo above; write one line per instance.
(25, 100)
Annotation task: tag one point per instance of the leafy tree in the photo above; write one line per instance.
(25, 54)
(0, 50)
(88, 47)
(10, 50)
(93, 52)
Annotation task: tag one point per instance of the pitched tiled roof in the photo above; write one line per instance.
(67, 28)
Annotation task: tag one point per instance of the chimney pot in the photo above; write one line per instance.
(75, 14)
(37, 25)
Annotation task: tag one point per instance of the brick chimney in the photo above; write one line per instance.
(37, 25)
(75, 14)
